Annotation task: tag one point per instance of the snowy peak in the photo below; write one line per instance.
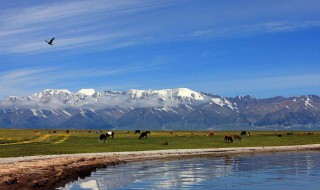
(187, 93)
(133, 93)
(52, 92)
(178, 93)
(86, 92)
(49, 94)
(62, 98)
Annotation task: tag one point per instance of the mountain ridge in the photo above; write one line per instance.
(169, 109)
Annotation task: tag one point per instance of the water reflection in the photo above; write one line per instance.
(264, 171)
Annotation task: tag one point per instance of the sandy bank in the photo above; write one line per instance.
(47, 172)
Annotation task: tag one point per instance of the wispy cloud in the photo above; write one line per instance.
(64, 43)
(253, 29)
(30, 80)
(86, 31)
(74, 24)
(91, 24)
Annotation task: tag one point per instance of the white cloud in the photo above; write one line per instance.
(30, 80)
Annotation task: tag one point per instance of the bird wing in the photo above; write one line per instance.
(51, 40)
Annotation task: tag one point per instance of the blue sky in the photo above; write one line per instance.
(237, 47)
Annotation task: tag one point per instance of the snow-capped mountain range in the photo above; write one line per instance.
(169, 109)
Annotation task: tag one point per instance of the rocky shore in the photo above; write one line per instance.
(49, 172)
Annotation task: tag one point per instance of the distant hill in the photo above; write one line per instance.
(168, 109)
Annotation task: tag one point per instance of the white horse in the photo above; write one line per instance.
(110, 134)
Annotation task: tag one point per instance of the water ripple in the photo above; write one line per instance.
(293, 170)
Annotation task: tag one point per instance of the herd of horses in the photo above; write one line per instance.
(110, 134)
(143, 135)
(228, 138)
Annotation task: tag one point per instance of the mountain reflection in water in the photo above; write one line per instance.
(290, 170)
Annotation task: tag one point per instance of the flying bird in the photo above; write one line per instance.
(50, 42)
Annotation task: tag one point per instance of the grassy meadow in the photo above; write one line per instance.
(21, 142)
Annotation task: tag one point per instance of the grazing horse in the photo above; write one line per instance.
(110, 134)
(137, 132)
(144, 134)
(237, 137)
(210, 134)
(102, 138)
(165, 143)
(228, 138)
(245, 133)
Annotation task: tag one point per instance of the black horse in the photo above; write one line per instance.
(247, 133)
(243, 133)
(137, 132)
(102, 138)
(144, 134)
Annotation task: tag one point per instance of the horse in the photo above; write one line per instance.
(110, 134)
(245, 133)
(137, 132)
(237, 137)
(144, 134)
(102, 138)
(165, 143)
(228, 138)
(210, 134)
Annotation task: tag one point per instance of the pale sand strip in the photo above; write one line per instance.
(48, 172)
(164, 153)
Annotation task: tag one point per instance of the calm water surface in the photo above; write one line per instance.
(290, 170)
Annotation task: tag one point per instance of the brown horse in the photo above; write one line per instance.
(237, 137)
(210, 134)
(228, 138)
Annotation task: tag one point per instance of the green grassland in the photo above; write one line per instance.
(15, 143)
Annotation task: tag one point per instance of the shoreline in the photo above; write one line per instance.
(51, 171)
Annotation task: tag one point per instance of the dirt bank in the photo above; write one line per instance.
(48, 172)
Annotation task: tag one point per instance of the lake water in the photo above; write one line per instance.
(289, 170)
